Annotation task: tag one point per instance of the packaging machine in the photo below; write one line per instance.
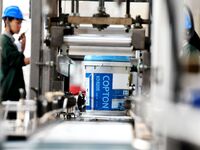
(60, 39)
(152, 101)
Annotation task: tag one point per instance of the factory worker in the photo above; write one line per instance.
(12, 60)
(191, 48)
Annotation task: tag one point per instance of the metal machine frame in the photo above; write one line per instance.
(43, 74)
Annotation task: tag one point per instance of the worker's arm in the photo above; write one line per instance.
(27, 60)
(22, 40)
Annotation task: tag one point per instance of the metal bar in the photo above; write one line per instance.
(1, 9)
(72, 7)
(36, 16)
(77, 7)
(96, 40)
(99, 20)
(49, 80)
(67, 82)
(149, 26)
(101, 5)
(127, 8)
(91, 50)
(60, 7)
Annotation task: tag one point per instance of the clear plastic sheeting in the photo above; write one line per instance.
(25, 122)
(98, 40)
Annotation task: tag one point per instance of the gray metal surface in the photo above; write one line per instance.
(49, 74)
(49, 54)
(36, 8)
(146, 72)
(51, 6)
(43, 76)
(57, 35)
(98, 40)
(103, 116)
(138, 39)
(104, 113)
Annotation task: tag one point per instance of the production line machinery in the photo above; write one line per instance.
(69, 37)
(59, 40)
(72, 36)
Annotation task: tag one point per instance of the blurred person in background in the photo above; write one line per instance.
(191, 46)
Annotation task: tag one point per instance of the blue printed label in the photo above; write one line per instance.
(88, 91)
(119, 94)
(103, 91)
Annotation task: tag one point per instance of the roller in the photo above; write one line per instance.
(100, 50)
(97, 40)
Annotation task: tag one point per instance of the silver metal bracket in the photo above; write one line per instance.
(47, 63)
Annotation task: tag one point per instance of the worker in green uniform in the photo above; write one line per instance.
(12, 60)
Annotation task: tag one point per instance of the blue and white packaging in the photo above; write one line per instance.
(107, 84)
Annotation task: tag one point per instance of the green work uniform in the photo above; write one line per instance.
(11, 75)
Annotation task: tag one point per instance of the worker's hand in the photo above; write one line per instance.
(27, 60)
(22, 39)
